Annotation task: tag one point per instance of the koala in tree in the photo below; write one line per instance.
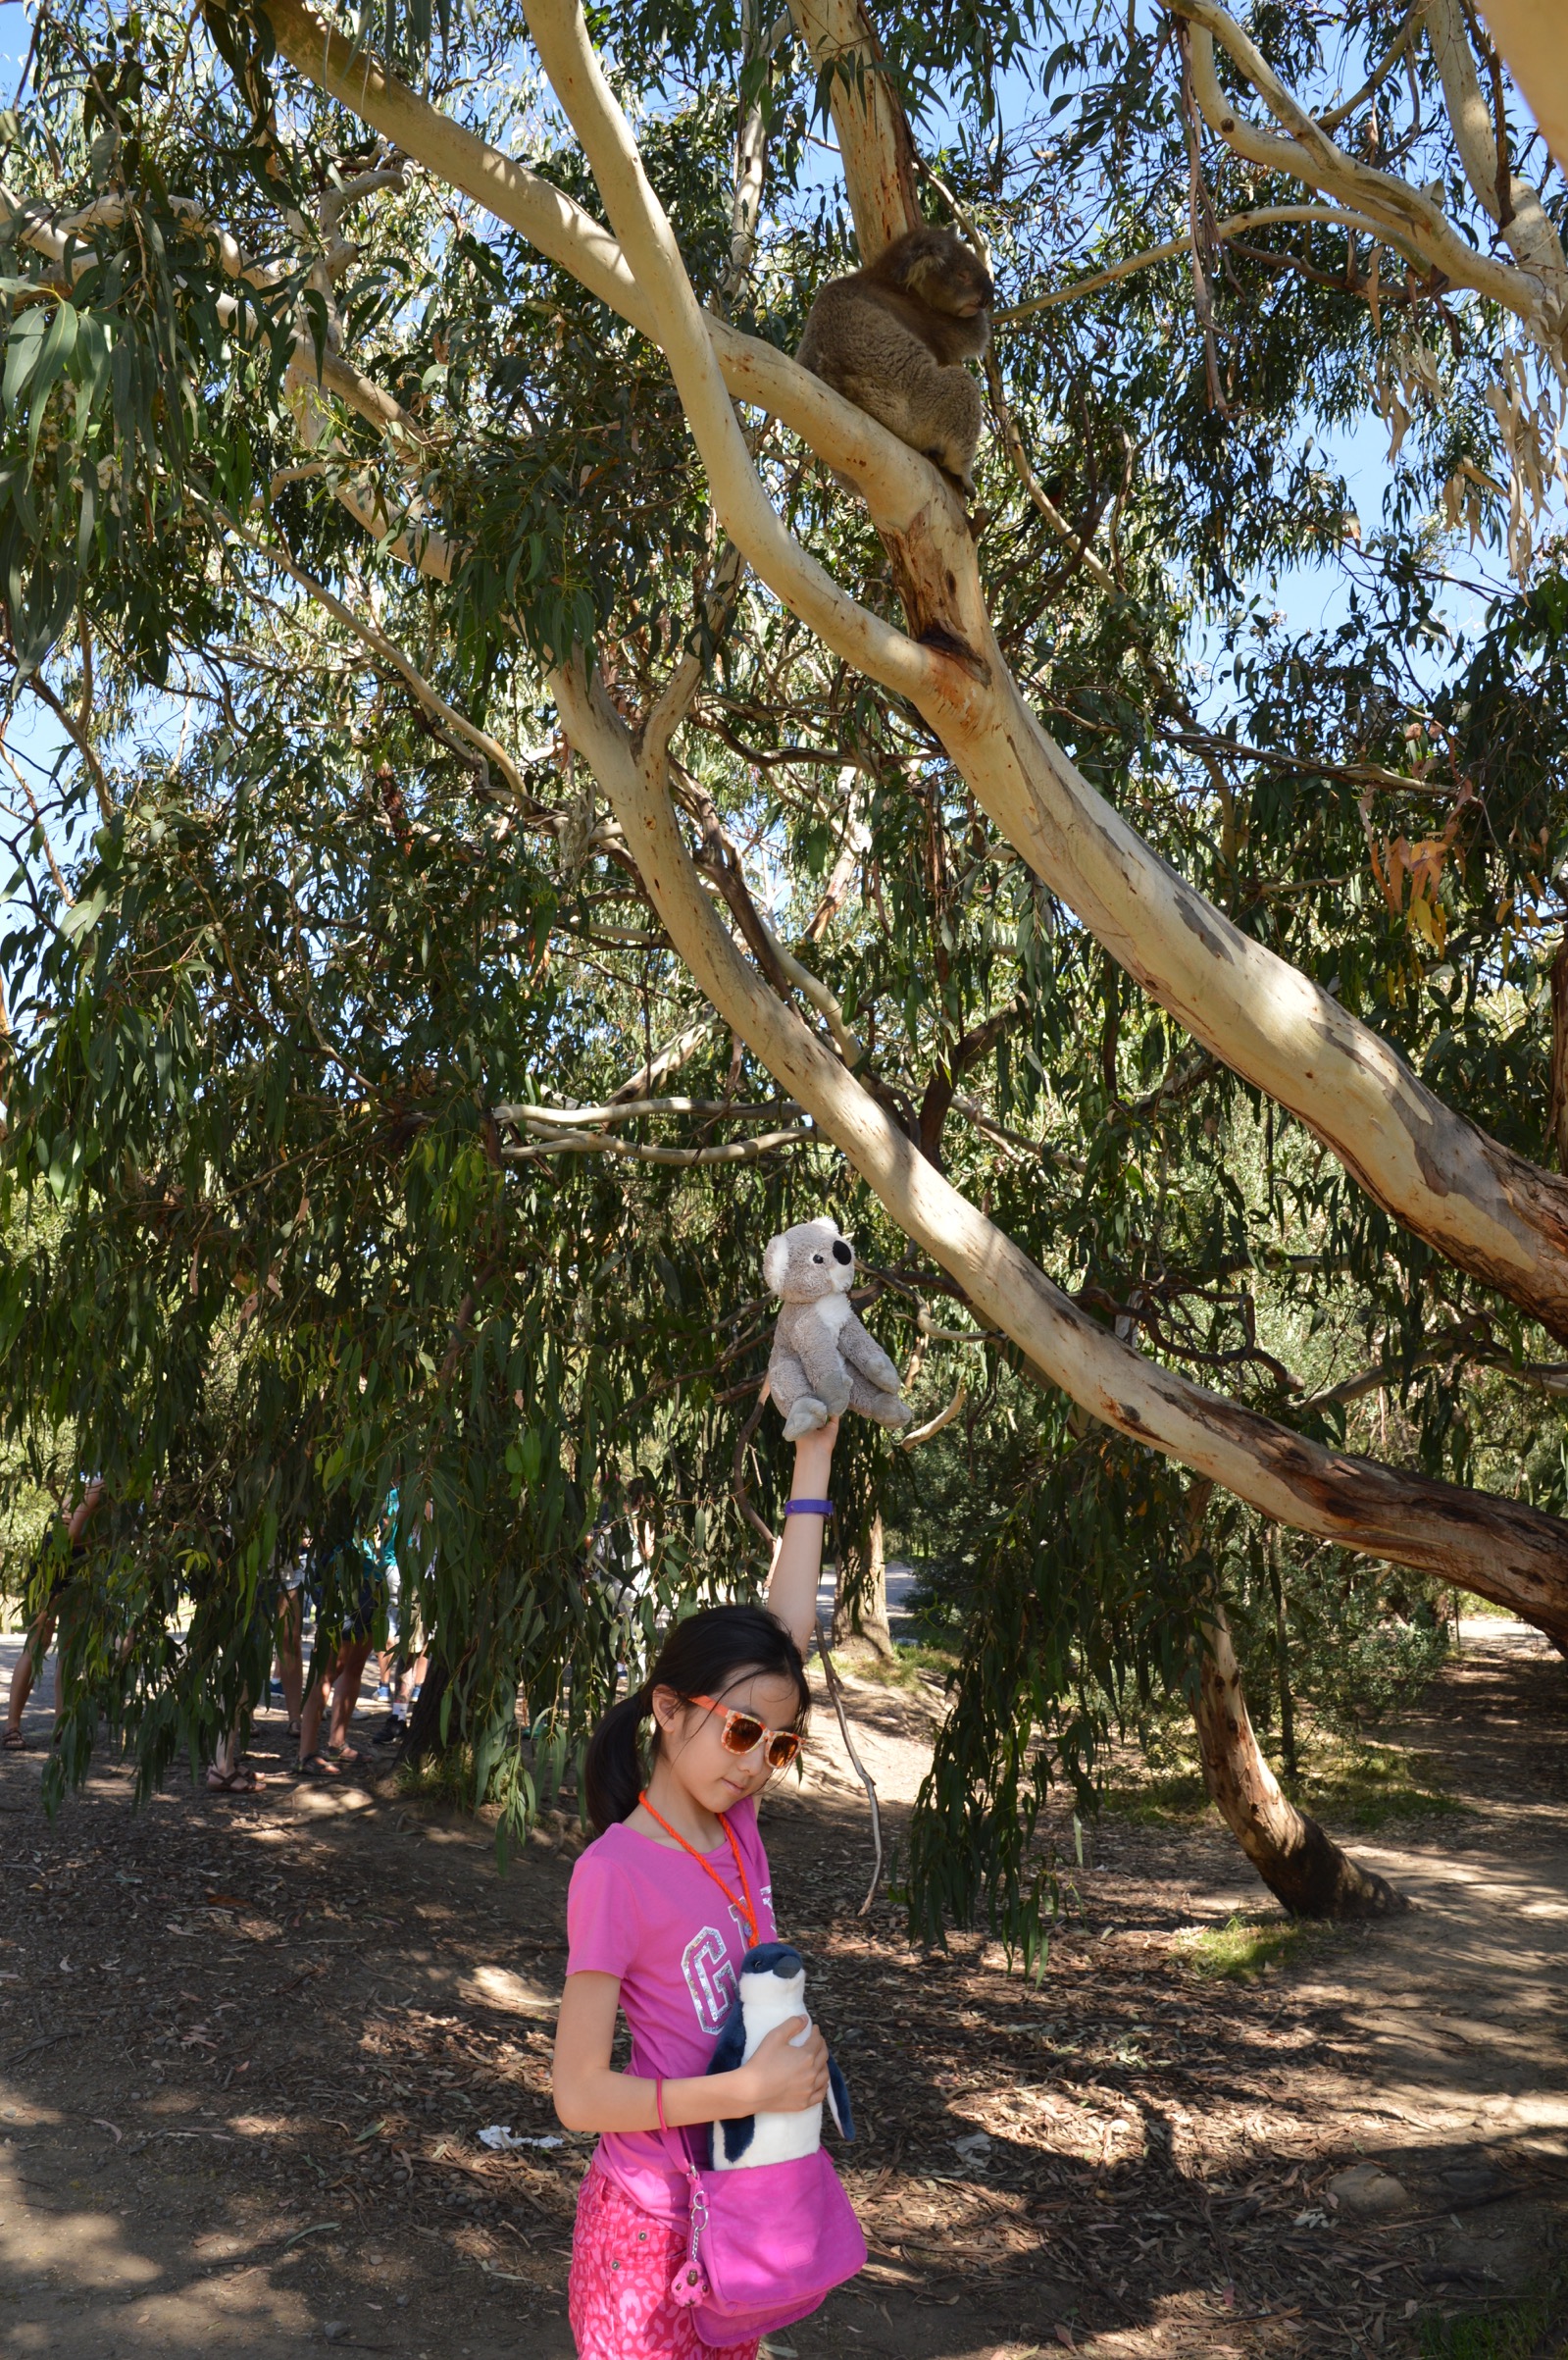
(823, 1360)
(889, 339)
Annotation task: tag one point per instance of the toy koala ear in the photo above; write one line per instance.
(775, 1264)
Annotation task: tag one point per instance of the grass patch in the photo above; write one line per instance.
(1238, 1951)
(1528, 2328)
(1367, 1785)
(1349, 1783)
(1161, 1798)
(913, 1666)
(440, 1777)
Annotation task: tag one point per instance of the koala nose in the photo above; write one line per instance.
(842, 1253)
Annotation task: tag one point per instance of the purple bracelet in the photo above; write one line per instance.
(808, 1508)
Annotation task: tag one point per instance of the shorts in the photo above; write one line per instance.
(622, 2260)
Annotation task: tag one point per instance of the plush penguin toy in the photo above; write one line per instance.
(773, 1989)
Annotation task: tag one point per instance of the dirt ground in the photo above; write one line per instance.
(246, 2048)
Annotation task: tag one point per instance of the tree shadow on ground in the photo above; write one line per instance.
(246, 2049)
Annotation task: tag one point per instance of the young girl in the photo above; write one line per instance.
(662, 1910)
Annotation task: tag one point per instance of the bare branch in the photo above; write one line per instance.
(602, 1143)
(1308, 154)
(1236, 225)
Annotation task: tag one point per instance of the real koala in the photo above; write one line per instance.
(823, 1360)
(889, 339)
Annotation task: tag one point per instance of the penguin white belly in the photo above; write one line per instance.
(775, 2138)
(772, 1984)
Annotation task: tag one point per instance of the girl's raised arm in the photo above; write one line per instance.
(798, 1565)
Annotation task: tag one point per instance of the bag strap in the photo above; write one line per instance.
(689, 2283)
(676, 2145)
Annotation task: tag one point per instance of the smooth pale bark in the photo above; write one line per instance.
(1529, 236)
(1487, 1210)
(1303, 1866)
(1531, 35)
(1498, 1548)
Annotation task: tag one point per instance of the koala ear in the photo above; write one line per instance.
(775, 1264)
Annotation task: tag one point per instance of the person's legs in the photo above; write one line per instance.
(32, 1654)
(226, 1774)
(345, 1691)
(311, 1711)
(291, 1657)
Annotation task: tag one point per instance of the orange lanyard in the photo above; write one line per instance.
(747, 1907)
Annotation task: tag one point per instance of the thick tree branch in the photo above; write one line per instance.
(1485, 1209)
(1496, 1547)
(1529, 32)
(1532, 239)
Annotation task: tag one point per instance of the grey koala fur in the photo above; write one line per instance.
(889, 339)
(823, 1361)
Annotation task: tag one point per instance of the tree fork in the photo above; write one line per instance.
(1496, 1547)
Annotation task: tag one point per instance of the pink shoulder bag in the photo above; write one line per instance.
(766, 2246)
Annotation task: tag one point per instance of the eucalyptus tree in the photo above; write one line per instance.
(576, 853)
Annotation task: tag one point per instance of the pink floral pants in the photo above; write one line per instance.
(622, 2263)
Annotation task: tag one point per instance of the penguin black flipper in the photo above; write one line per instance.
(728, 2053)
(838, 2101)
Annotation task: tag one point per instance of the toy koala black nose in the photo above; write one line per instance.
(842, 1253)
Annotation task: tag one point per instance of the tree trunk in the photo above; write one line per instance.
(1282, 1658)
(1557, 1103)
(1529, 32)
(425, 1721)
(860, 1609)
(1301, 1866)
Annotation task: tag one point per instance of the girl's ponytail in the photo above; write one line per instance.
(612, 1769)
(700, 1656)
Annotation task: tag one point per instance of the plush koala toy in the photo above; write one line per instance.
(824, 1362)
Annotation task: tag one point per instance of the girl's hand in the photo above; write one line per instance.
(813, 1457)
(783, 2079)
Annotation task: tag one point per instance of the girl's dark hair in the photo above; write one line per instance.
(700, 1657)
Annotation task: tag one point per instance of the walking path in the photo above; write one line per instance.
(246, 2049)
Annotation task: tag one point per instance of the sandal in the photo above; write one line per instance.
(317, 1766)
(349, 1754)
(15, 1742)
(239, 1781)
(292, 1732)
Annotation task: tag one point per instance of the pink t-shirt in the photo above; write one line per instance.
(650, 1914)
